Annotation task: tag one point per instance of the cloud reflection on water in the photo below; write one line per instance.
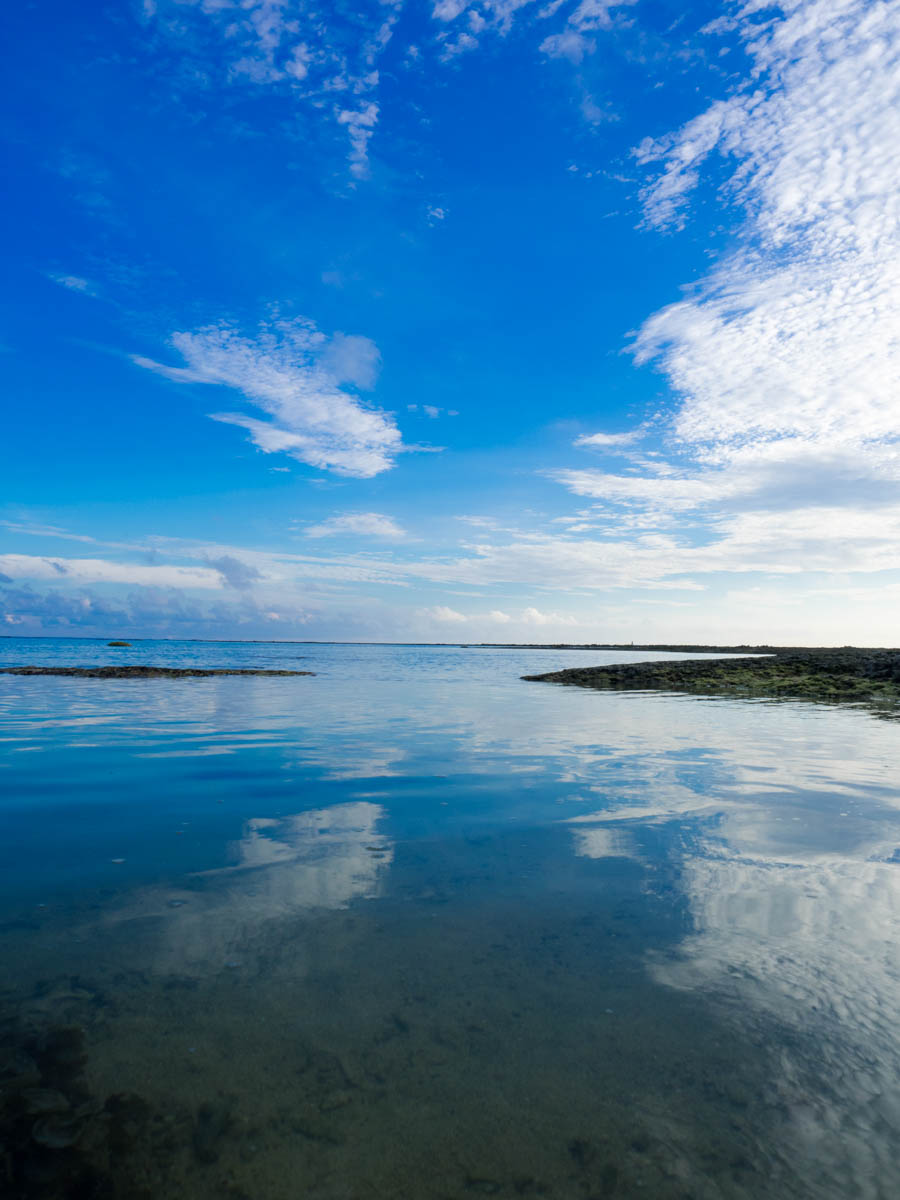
(318, 860)
(793, 897)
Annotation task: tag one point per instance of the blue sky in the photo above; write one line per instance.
(456, 322)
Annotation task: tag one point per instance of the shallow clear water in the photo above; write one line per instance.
(413, 928)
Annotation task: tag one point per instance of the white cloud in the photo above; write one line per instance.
(360, 124)
(448, 10)
(569, 44)
(369, 524)
(461, 44)
(534, 616)
(680, 493)
(527, 617)
(32, 529)
(783, 474)
(785, 359)
(292, 49)
(98, 570)
(331, 65)
(554, 563)
(750, 579)
(608, 440)
(430, 410)
(796, 332)
(236, 572)
(297, 376)
(74, 283)
(572, 42)
(352, 359)
(176, 374)
(441, 613)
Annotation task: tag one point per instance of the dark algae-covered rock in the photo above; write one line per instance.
(845, 675)
(139, 672)
(118, 643)
(61, 1140)
(213, 1124)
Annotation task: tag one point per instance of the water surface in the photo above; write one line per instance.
(415, 928)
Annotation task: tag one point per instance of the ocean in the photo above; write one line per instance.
(414, 929)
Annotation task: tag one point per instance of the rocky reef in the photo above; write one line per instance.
(139, 672)
(845, 675)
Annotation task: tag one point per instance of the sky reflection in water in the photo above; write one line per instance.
(757, 846)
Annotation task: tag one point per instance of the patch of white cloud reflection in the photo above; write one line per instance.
(600, 842)
(330, 852)
(356, 760)
(794, 902)
(199, 752)
(319, 860)
(813, 946)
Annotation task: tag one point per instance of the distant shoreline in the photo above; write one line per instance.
(638, 647)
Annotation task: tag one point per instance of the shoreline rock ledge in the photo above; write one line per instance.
(845, 675)
(143, 672)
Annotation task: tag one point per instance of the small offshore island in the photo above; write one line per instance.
(138, 672)
(840, 676)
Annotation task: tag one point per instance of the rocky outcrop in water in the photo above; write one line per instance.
(139, 672)
(841, 675)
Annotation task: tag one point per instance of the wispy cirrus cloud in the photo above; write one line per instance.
(360, 524)
(334, 61)
(608, 441)
(305, 383)
(34, 529)
(784, 474)
(73, 283)
(328, 60)
(98, 570)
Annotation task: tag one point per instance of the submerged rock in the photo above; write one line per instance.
(60, 1142)
(18, 1070)
(44, 1100)
(58, 1131)
(213, 1124)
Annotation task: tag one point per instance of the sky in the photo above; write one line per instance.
(496, 321)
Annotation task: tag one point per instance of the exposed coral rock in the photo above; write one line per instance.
(139, 672)
(843, 675)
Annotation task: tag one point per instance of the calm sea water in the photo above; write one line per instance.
(413, 929)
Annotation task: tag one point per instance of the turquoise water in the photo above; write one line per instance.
(415, 928)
